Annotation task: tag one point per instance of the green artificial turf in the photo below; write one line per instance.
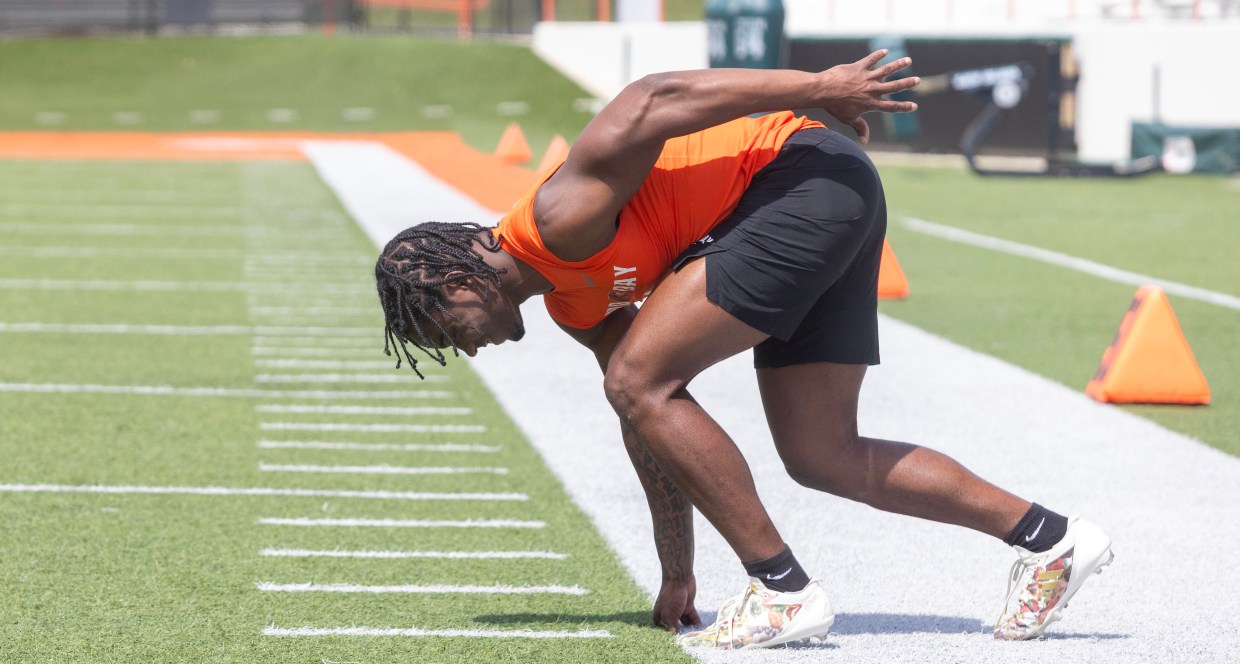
(103, 577)
(1055, 321)
(405, 81)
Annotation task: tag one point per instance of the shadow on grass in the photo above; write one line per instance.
(635, 618)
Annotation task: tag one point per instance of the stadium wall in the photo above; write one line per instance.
(1177, 72)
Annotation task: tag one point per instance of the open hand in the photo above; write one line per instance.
(859, 87)
(674, 605)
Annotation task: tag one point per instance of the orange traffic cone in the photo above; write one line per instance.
(557, 150)
(1149, 361)
(512, 146)
(891, 281)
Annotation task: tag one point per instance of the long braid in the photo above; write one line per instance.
(411, 273)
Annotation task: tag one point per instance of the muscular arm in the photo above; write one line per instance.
(670, 511)
(576, 208)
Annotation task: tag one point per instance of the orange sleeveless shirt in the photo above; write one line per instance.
(696, 182)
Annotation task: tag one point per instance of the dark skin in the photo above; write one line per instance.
(682, 457)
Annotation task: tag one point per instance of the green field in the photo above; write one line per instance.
(409, 85)
(123, 577)
(1057, 322)
(259, 255)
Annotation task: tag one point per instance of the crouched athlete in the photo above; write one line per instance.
(738, 233)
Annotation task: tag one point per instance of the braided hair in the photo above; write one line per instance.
(411, 273)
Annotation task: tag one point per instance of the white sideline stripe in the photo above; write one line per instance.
(344, 378)
(400, 523)
(259, 491)
(374, 181)
(177, 330)
(324, 364)
(165, 390)
(450, 555)
(1071, 262)
(372, 428)
(382, 469)
(414, 632)
(300, 409)
(267, 586)
(373, 447)
(178, 286)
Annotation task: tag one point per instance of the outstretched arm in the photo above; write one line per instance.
(670, 511)
(576, 208)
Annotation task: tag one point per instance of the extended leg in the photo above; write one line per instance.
(812, 412)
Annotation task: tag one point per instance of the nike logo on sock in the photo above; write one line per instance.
(1029, 538)
(776, 578)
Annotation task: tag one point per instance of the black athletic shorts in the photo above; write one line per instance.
(798, 257)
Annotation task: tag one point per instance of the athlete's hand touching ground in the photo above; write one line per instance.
(859, 87)
(674, 606)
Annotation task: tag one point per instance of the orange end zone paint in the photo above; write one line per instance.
(493, 183)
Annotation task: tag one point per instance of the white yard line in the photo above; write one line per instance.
(381, 469)
(96, 229)
(300, 409)
(414, 632)
(225, 392)
(374, 447)
(311, 311)
(291, 352)
(346, 378)
(399, 523)
(352, 365)
(256, 491)
(123, 252)
(356, 337)
(267, 586)
(372, 428)
(181, 286)
(93, 210)
(399, 555)
(1071, 262)
(181, 330)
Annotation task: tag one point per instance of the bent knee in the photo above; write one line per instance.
(843, 471)
(633, 391)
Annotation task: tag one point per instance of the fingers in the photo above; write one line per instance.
(872, 59)
(899, 85)
(893, 67)
(862, 128)
(664, 622)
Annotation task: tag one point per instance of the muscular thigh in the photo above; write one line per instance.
(812, 409)
(678, 333)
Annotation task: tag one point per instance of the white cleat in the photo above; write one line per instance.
(1042, 583)
(761, 618)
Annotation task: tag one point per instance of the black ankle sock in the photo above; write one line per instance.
(1038, 530)
(781, 573)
